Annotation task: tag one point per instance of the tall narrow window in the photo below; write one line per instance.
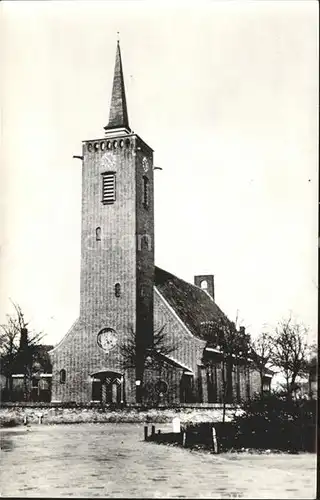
(145, 191)
(238, 392)
(248, 385)
(117, 289)
(98, 234)
(62, 376)
(108, 188)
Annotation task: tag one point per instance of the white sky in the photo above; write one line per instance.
(226, 93)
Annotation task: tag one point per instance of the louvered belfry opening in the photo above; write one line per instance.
(108, 188)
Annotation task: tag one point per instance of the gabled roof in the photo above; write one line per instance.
(193, 306)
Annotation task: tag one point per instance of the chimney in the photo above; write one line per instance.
(206, 283)
(23, 338)
(242, 330)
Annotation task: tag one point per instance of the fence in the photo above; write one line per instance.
(222, 437)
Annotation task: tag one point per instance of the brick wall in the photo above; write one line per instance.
(113, 259)
(172, 378)
(145, 244)
(188, 348)
(124, 255)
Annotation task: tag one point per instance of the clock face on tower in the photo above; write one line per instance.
(145, 164)
(108, 161)
(107, 339)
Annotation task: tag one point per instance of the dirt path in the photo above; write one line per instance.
(112, 460)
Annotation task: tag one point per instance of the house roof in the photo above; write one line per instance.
(193, 305)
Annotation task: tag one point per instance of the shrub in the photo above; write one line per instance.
(269, 423)
(276, 422)
(8, 421)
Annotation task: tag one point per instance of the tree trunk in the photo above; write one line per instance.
(24, 387)
(288, 386)
(26, 382)
(229, 380)
(223, 392)
(293, 380)
(310, 393)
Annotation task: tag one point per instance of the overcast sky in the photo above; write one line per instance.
(226, 93)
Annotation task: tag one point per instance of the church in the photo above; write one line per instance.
(126, 301)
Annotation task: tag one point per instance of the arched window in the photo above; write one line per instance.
(62, 376)
(144, 242)
(204, 285)
(98, 234)
(117, 289)
(145, 191)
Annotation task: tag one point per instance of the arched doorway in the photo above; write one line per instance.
(107, 387)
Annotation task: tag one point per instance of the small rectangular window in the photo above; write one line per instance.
(62, 376)
(108, 188)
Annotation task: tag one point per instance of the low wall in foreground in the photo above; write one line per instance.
(11, 415)
(57, 404)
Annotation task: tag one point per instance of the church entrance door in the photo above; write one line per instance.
(107, 387)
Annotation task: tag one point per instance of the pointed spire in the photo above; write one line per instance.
(118, 117)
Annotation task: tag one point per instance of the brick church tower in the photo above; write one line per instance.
(117, 262)
(125, 300)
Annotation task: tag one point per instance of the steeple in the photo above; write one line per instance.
(118, 117)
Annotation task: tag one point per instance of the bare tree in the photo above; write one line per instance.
(18, 349)
(145, 357)
(291, 351)
(9, 344)
(262, 350)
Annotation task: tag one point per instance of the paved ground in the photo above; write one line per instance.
(112, 460)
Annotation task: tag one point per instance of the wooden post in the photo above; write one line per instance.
(25, 420)
(184, 438)
(121, 389)
(145, 432)
(40, 417)
(153, 430)
(214, 441)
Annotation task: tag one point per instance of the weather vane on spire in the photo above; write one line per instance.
(118, 36)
